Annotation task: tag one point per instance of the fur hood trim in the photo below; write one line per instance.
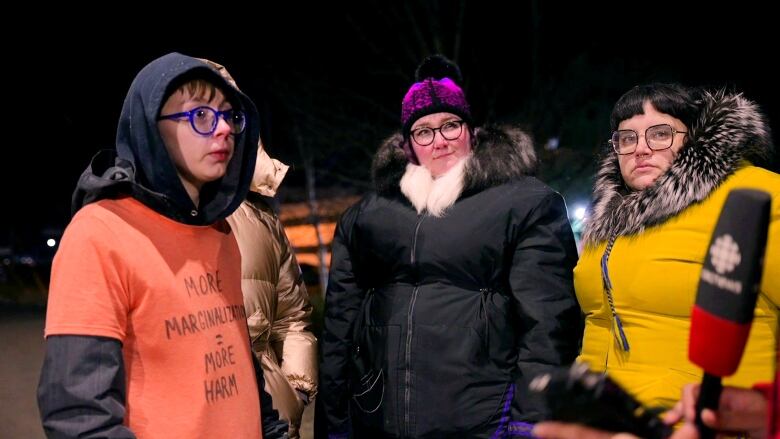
(729, 129)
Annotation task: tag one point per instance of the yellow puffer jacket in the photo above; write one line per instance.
(654, 279)
(662, 237)
(277, 304)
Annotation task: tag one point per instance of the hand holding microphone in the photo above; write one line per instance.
(740, 411)
(727, 293)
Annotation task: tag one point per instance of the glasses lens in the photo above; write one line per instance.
(423, 136)
(237, 121)
(659, 136)
(451, 130)
(624, 141)
(615, 141)
(203, 120)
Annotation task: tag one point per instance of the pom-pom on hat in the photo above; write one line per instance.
(435, 91)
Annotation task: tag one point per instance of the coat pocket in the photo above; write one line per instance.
(369, 392)
(373, 372)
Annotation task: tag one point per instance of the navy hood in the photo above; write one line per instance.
(141, 167)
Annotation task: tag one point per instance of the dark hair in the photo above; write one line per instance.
(199, 84)
(673, 99)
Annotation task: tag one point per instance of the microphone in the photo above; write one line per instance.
(727, 293)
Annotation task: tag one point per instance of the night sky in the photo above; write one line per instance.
(336, 74)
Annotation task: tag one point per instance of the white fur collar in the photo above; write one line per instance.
(435, 195)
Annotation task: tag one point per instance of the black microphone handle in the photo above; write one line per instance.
(709, 397)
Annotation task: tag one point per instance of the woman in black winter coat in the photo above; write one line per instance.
(450, 285)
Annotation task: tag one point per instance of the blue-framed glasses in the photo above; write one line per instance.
(204, 119)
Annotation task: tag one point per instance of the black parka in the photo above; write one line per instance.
(433, 323)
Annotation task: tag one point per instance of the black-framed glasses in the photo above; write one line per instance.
(658, 137)
(449, 130)
(204, 119)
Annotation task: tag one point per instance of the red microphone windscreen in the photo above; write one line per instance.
(716, 344)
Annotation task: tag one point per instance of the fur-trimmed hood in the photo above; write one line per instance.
(500, 154)
(729, 129)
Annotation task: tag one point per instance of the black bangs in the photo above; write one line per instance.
(672, 99)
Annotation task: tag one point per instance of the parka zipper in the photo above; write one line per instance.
(408, 350)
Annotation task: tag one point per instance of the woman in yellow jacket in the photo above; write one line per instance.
(657, 197)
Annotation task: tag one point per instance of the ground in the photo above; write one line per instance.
(21, 345)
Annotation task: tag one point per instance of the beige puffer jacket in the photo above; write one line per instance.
(277, 304)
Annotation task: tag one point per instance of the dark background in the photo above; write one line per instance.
(328, 79)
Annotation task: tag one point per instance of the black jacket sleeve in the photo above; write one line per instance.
(547, 310)
(343, 300)
(81, 392)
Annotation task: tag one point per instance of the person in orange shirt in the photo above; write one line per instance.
(146, 328)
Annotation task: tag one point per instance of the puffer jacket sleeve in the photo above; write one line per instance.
(342, 304)
(291, 335)
(273, 426)
(770, 281)
(546, 307)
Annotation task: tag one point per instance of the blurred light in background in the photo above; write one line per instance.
(577, 219)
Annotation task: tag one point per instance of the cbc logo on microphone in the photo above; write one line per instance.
(724, 254)
(724, 257)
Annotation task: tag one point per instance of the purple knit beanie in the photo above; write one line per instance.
(436, 91)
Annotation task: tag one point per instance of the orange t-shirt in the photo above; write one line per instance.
(171, 293)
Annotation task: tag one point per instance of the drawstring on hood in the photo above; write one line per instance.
(141, 167)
